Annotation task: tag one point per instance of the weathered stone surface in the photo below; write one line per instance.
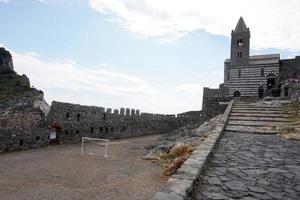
(214, 181)
(236, 185)
(73, 121)
(253, 167)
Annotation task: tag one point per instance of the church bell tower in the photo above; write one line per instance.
(240, 44)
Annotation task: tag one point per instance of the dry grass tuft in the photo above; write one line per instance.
(292, 130)
(174, 159)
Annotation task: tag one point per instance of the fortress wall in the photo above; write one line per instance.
(73, 121)
(22, 128)
(213, 99)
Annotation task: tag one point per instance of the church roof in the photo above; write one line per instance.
(262, 59)
(241, 26)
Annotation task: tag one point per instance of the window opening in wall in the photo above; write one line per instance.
(77, 132)
(106, 130)
(111, 129)
(66, 132)
(104, 115)
(21, 142)
(228, 75)
(124, 128)
(240, 73)
(77, 117)
(262, 72)
(240, 54)
(260, 92)
(240, 42)
(92, 130)
(101, 129)
(67, 115)
(37, 138)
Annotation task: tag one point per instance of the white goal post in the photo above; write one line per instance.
(96, 142)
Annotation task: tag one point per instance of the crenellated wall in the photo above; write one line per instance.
(71, 122)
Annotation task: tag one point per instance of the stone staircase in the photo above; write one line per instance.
(257, 118)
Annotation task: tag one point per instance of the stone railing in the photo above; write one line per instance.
(181, 185)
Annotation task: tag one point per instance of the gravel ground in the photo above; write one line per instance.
(60, 173)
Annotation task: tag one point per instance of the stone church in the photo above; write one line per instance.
(253, 76)
(247, 75)
(250, 77)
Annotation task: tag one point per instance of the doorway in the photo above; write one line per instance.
(271, 81)
(236, 94)
(260, 92)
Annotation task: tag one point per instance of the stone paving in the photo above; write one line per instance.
(250, 166)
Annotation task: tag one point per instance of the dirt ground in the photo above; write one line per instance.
(60, 173)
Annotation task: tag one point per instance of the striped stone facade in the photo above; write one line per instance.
(247, 79)
(245, 75)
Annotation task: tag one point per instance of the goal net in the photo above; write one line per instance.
(95, 147)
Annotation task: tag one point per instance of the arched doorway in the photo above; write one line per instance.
(271, 81)
(54, 133)
(236, 94)
(260, 92)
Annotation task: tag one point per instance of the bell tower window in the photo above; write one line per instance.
(240, 42)
(240, 54)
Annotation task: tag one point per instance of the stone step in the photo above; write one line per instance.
(257, 111)
(259, 115)
(267, 119)
(259, 108)
(249, 129)
(255, 123)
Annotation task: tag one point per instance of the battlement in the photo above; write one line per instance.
(62, 108)
(74, 121)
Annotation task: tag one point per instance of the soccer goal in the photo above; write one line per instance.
(95, 147)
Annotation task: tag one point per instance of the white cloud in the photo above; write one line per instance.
(273, 23)
(67, 81)
(4, 1)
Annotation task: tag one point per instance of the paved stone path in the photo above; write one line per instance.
(249, 167)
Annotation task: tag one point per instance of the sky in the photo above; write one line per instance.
(152, 55)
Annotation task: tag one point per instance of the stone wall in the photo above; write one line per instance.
(214, 101)
(182, 184)
(22, 127)
(291, 88)
(290, 69)
(71, 122)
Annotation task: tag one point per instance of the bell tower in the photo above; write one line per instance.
(240, 44)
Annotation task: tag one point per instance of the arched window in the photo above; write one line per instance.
(228, 75)
(240, 54)
(240, 41)
(77, 117)
(240, 73)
